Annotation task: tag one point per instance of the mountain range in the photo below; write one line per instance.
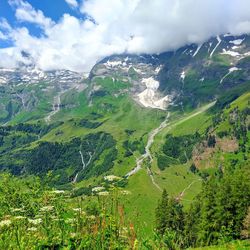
(144, 122)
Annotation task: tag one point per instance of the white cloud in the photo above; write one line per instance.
(26, 13)
(117, 26)
(3, 36)
(72, 3)
(4, 25)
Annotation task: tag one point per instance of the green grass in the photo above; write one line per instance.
(241, 102)
(189, 123)
(128, 115)
(178, 178)
(236, 245)
(142, 201)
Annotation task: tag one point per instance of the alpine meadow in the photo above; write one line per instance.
(124, 124)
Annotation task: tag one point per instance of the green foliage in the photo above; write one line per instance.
(229, 96)
(32, 217)
(169, 221)
(133, 146)
(211, 141)
(217, 214)
(193, 168)
(88, 124)
(169, 215)
(98, 152)
(180, 147)
(164, 161)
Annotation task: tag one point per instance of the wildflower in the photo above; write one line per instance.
(58, 191)
(46, 208)
(97, 189)
(57, 219)
(19, 217)
(73, 235)
(125, 192)
(77, 209)
(32, 229)
(111, 178)
(35, 221)
(104, 193)
(91, 217)
(70, 221)
(4, 223)
(17, 210)
(123, 232)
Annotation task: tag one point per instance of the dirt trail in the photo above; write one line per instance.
(180, 197)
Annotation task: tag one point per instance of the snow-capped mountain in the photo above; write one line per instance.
(188, 76)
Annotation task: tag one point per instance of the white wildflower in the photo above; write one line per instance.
(19, 217)
(17, 210)
(73, 235)
(58, 191)
(57, 219)
(125, 192)
(32, 229)
(91, 217)
(97, 189)
(4, 223)
(77, 209)
(70, 221)
(104, 193)
(123, 232)
(35, 221)
(46, 208)
(112, 178)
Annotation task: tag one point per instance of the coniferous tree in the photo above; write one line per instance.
(162, 213)
(169, 215)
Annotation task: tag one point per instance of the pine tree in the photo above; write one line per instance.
(162, 213)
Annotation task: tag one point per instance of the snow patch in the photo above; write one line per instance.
(151, 83)
(231, 70)
(113, 64)
(157, 70)
(210, 44)
(183, 76)
(197, 50)
(247, 54)
(217, 45)
(7, 70)
(235, 47)
(137, 70)
(150, 98)
(184, 51)
(237, 42)
(231, 53)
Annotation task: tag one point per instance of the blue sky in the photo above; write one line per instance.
(51, 8)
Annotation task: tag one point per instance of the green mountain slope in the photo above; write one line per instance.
(117, 125)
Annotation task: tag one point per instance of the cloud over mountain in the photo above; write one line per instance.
(117, 26)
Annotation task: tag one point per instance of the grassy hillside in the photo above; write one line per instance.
(76, 154)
